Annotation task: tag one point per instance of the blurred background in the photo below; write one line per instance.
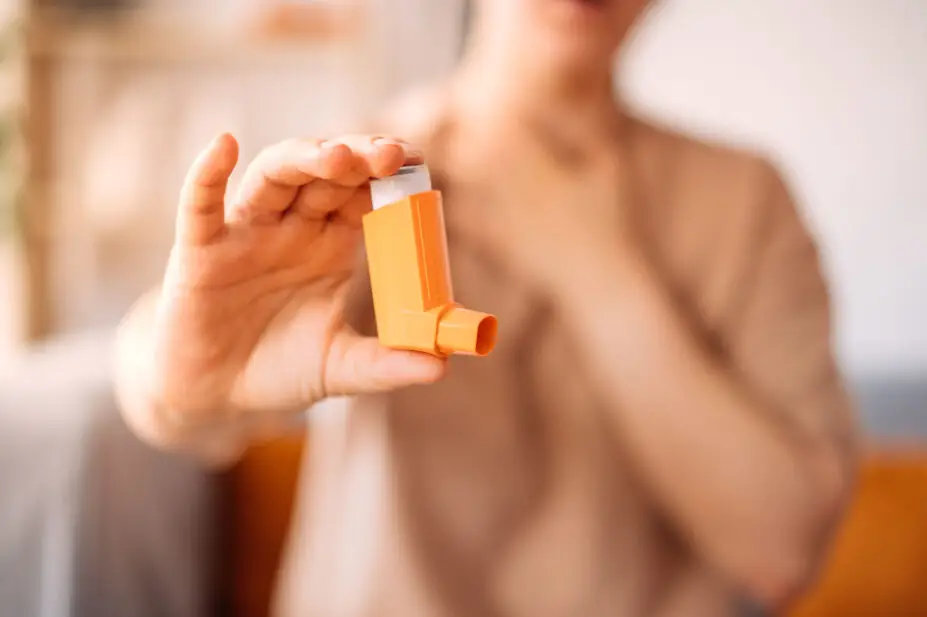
(104, 103)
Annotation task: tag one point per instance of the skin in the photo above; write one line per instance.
(247, 329)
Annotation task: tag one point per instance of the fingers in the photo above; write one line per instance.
(378, 156)
(273, 179)
(318, 201)
(200, 215)
(278, 174)
(358, 365)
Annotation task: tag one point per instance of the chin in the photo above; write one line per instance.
(592, 28)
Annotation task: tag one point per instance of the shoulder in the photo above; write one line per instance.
(714, 186)
(716, 212)
(703, 168)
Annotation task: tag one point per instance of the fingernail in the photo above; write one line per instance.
(415, 155)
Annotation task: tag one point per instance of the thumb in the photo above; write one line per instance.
(359, 364)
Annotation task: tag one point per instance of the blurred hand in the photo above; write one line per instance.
(558, 216)
(249, 319)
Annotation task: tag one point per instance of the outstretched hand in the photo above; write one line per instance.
(249, 320)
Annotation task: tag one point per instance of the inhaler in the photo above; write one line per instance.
(410, 277)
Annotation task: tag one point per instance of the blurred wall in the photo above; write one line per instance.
(128, 106)
(837, 91)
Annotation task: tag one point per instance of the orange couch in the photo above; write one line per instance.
(261, 489)
(878, 567)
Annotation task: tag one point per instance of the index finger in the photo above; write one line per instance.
(377, 156)
(201, 213)
(275, 176)
(274, 179)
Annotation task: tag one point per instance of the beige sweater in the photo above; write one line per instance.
(499, 492)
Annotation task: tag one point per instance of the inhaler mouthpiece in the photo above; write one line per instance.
(407, 181)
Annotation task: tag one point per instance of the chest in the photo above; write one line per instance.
(490, 432)
(523, 430)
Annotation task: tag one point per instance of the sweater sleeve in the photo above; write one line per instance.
(780, 339)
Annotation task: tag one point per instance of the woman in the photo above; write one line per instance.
(661, 429)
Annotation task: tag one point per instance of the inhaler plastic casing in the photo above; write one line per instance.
(406, 245)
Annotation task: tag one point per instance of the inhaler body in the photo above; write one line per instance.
(410, 279)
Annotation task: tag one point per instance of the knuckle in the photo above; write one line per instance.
(295, 143)
(277, 154)
(265, 156)
(354, 140)
(274, 150)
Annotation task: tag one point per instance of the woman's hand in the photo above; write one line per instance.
(248, 322)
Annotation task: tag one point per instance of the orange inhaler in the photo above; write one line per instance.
(410, 277)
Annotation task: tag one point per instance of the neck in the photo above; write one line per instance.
(510, 78)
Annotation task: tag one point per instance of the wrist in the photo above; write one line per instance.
(215, 444)
(145, 409)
